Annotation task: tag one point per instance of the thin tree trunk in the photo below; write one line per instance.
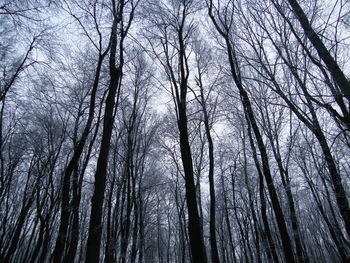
(227, 220)
(18, 229)
(335, 237)
(62, 236)
(301, 253)
(135, 227)
(212, 228)
(271, 249)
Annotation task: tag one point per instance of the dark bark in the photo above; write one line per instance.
(74, 216)
(227, 220)
(6, 87)
(95, 227)
(129, 170)
(212, 223)
(110, 242)
(194, 227)
(182, 234)
(240, 222)
(115, 72)
(135, 230)
(77, 181)
(335, 237)
(61, 240)
(273, 136)
(336, 180)
(38, 243)
(267, 236)
(17, 232)
(281, 223)
(315, 128)
(141, 242)
(251, 204)
(27, 202)
(333, 67)
(194, 230)
(345, 118)
(197, 247)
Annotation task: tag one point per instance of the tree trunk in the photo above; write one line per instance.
(194, 229)
(61, 240)
(212, 223)
(322, 51)
(281, 223)
(95, 226)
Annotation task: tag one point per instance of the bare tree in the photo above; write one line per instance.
(172, 19)
(122, 15)
(332, 65)
(223, 25)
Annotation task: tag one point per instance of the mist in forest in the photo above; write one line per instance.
(174, 131)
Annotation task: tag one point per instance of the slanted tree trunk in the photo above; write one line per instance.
(332, 65)
(315, 128)
(266, 235)
(61, 240)
(281, 223)
(284, 173)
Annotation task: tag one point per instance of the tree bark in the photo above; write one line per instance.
(281, 223)
(332, 65)
(194, 230)
(61, 240)
(212, 223)
(95, 226)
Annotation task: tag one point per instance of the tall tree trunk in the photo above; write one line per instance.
(77, 181)
(95, 226)
(141, 241)
(212, 229)
(135, 230)
(227, 220)
(110, 242)
(121, 25)
(335, 237)
(284, 172)
(332, 65)
(281, 223)
(194, 229)
(194, 226)
(315, 128)
(15, 238)
(62, 236)
(126, 222)
(270, 246)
